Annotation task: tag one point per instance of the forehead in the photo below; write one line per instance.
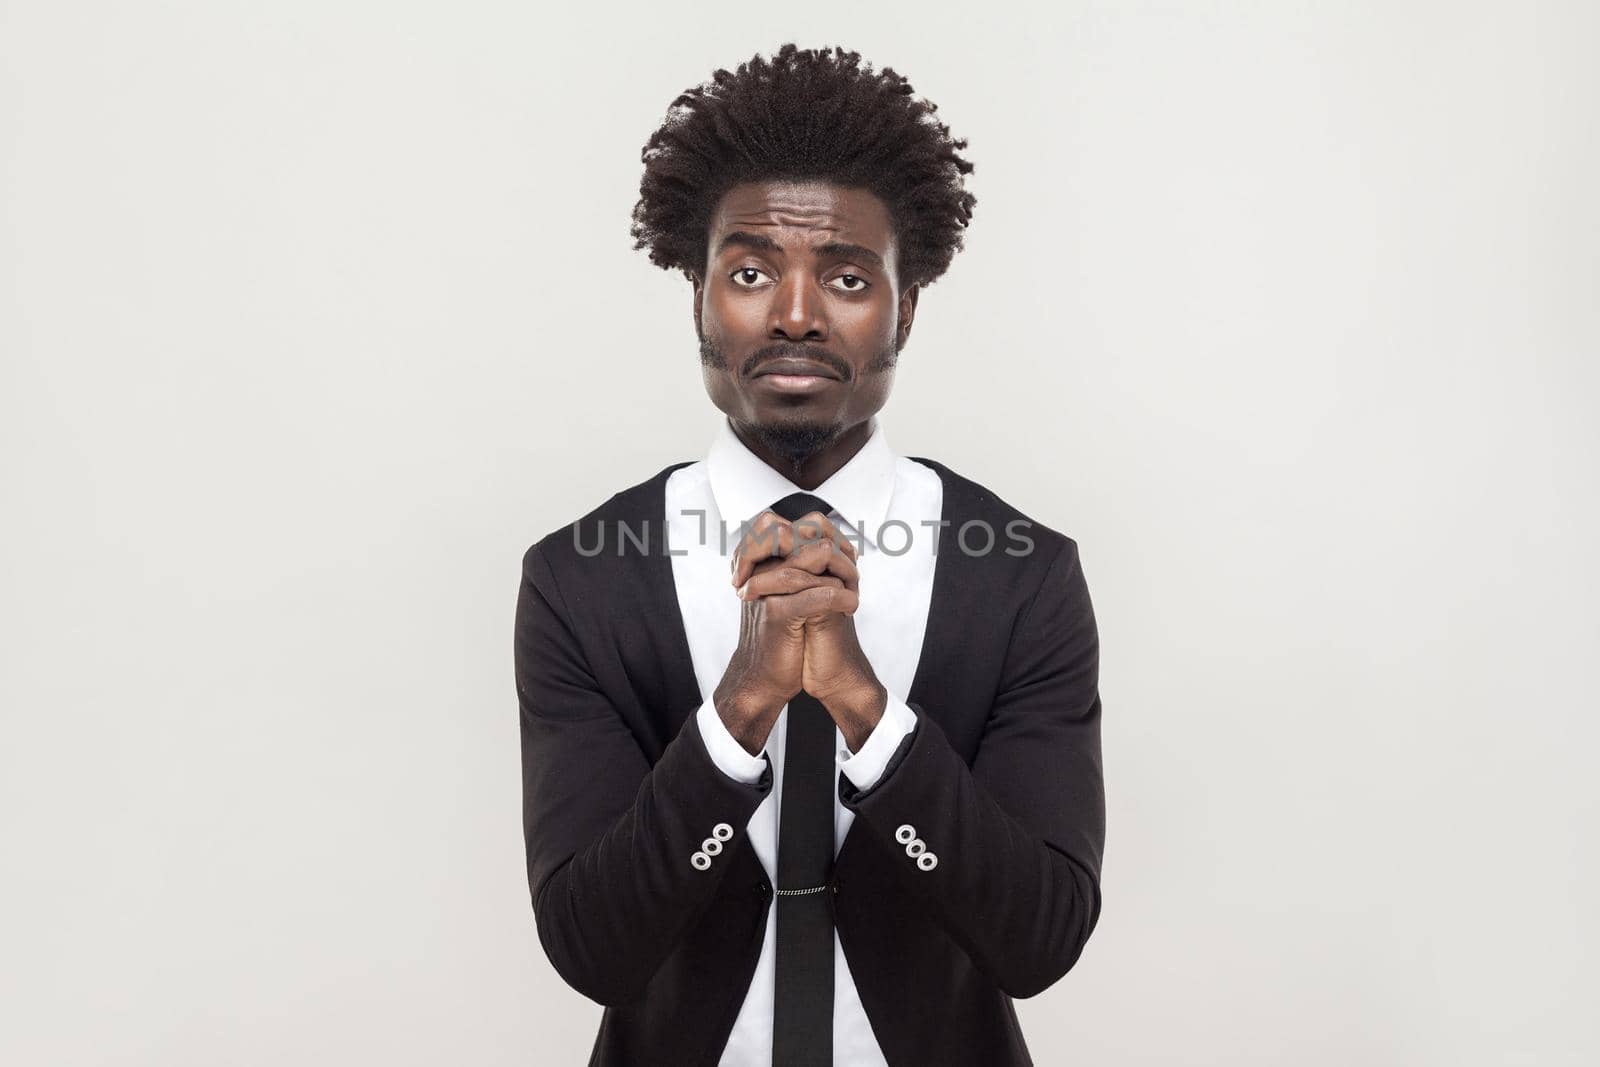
(805, 212)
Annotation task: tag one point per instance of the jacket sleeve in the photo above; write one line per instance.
(622, 856)
(1015, 839)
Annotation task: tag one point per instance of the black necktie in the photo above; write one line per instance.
(802, 1015)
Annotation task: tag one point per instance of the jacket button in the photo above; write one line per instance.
(761, 889)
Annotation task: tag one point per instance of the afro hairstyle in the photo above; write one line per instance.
(815, 114)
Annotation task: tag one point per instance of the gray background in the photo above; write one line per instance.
(314, 316)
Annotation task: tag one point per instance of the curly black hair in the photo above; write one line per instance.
(812, 113)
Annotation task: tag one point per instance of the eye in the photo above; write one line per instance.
(741, 279)
(861, 284)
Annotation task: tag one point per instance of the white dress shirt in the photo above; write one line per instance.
(889, 506)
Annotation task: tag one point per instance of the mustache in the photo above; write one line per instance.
(791, 350)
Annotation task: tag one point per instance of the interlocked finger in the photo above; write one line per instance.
(777, 577)
(816, 601)
(772, 535)
(826, 557)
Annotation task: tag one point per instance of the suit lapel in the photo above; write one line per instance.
(937, 637)
(648, 627)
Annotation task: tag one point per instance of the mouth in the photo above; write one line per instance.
(798, 368)
(796, 376)
(794, 383)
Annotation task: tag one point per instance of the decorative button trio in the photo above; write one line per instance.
(906, 835)
(711, 846)
(915, 847)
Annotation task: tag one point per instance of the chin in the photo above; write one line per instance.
(796, 438)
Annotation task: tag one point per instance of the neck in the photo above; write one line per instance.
(813, 467)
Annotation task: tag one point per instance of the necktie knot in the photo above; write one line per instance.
(795, 505)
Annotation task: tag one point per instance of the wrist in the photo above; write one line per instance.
(747, 718)
(858, 711)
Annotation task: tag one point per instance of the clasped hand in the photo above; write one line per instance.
(799, 588)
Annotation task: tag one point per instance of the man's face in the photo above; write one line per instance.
(800, 271)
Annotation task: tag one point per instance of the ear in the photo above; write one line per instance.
(907, 312)
(699, 292)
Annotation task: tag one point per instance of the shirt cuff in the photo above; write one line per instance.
(866, 767)
(729, 756)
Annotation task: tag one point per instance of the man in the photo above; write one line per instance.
(814, 778)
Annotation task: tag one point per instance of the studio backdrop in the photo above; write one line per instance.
(314, 316)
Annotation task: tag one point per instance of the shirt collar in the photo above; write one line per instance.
(743, 485)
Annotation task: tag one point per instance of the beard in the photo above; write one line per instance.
(793, 442)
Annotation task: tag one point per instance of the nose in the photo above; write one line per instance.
(797, 310)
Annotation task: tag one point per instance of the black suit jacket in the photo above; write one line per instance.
(1001, 779)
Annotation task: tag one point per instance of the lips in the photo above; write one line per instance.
(797, 368)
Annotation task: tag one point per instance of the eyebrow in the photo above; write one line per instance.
(836, 249)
